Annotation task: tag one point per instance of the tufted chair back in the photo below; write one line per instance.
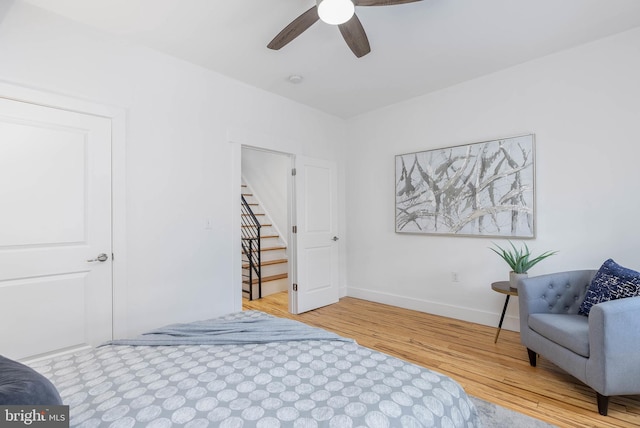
(562, 293)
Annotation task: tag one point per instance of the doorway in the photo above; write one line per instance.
(266, 199)
(312, 248)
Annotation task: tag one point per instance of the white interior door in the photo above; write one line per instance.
(55, 197)
(316, 195)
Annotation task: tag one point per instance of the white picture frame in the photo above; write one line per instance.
(482, 189)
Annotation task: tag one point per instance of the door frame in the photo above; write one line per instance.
(239, 139)
(43, 97)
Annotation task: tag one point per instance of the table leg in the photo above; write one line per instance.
(504, 310)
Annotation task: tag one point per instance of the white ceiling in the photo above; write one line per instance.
(415, 48)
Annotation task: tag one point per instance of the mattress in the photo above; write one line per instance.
(298, 383)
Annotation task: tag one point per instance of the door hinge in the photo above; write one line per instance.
(295, 287)
(294, 229)
(293, 171)
(112, 257)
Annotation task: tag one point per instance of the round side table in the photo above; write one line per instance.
(503, 287)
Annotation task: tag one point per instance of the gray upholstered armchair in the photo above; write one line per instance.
(602, 350)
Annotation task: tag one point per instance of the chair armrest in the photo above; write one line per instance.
(614, 347)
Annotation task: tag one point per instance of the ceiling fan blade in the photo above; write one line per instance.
(354, 35)
(381, 2)
(295, 28)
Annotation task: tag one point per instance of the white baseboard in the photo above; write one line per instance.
(54, 354)
(343, 292)
(451, 311)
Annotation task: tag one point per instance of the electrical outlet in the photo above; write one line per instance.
(455, 277)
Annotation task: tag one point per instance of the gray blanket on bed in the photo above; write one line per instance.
(257, 328)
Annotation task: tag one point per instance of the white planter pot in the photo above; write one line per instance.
(515, 277)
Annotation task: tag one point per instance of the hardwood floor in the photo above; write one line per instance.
(499, 373)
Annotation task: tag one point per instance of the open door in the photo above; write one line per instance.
(315, 276)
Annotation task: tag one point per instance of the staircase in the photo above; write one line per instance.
(272, 260)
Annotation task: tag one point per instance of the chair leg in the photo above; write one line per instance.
(532, 357)
(603, 404)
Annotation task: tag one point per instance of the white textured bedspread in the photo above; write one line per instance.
(304, 383)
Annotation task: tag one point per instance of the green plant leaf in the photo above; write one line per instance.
(519, 259)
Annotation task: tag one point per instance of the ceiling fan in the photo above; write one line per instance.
(335, 12)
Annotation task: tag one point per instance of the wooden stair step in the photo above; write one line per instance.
(268, 278)
(263, 225)
(278, 247)
(263, 237)
(267, 263)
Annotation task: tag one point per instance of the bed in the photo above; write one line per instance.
(304, 378)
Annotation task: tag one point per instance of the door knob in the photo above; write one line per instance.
(335, 238)
(101, 258)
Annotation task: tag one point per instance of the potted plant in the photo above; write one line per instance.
(519, 260)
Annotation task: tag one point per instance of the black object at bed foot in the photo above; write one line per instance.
(603, 404)
(532, 357)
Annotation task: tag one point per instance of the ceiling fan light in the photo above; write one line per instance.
(335, 12)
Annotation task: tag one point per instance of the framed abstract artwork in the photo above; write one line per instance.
(480, 189)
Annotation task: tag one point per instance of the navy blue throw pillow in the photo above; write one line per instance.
(21, 385)
(611, 282)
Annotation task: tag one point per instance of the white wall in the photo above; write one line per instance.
(179, 162)
(584, 107)
(267, 173)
